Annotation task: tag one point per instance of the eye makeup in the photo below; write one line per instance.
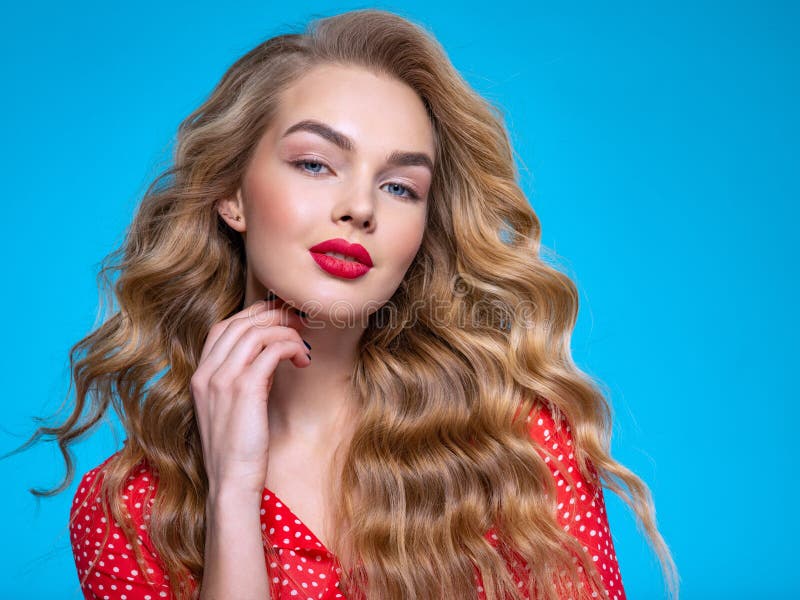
(301, 164)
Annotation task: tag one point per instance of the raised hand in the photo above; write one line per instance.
(230, 390)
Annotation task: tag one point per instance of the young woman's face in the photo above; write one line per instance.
(371, 188)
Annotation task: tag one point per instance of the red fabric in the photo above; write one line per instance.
(305, 569)
(580, 507)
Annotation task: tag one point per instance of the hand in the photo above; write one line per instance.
(230, 390)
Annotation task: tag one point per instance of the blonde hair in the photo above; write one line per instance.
(438, 455)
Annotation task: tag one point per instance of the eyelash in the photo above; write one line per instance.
(413, 195)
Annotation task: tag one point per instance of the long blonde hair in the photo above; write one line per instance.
(438, 455)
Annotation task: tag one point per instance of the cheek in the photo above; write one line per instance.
(277, 206)
(407, 238)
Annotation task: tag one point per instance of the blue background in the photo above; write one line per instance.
(657, 143)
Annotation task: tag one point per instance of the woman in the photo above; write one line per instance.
(342, 366)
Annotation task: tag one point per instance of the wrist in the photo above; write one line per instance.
(232, 498)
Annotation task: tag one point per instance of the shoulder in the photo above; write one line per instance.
(137, 495)
(139, 490)
(579, 495)
(556, 445)
(99, 543)
(580, 503)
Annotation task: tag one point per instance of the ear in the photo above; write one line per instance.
(232, 211)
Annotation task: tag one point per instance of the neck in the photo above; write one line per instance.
(314, 402)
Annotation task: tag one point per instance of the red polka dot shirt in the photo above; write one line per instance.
(302, 568)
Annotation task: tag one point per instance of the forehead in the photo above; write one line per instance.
(378, 112)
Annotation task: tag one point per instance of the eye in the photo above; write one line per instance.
(301, 164)
(411, 193)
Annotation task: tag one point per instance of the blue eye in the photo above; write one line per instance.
(300, 164)
(411, 193)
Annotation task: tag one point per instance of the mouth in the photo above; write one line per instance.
(341, 258)
(344, 251)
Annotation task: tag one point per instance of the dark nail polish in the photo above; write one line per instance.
(308, 355)
(307, 344)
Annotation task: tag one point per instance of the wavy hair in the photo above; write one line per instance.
(438, 455)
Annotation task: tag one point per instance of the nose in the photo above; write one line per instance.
(358, 208)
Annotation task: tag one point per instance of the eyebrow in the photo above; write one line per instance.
(396, 159)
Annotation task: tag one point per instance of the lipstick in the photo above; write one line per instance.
(356, 263)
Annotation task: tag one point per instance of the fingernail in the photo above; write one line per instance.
(308, 355)
(307, 344)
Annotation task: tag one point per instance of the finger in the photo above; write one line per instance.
(218, 329)
(256, 377)
(250, 344)
(276, 315)
(229, 337)
(255, 313)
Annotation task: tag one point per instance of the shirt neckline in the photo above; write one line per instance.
(277, 541)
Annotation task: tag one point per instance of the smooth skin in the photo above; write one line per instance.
(267, 414)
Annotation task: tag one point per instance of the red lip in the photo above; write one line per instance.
(342, 246)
